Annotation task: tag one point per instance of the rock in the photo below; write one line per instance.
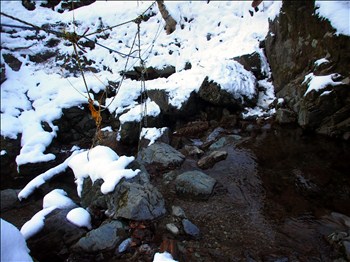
(178, 212)
(292, 49)
(193, 150)
(136, 202)
(252, 62)
(347, 248)
(190, 228)
(12, 62)
(9, 199)
(192, 129)
(129, 132)
(134, 199)
(210, 160)
(212, 92)
(159, 157)
(103, 238)
(285, 116)
(150, 72)
(218, 144)
(42, 57)
(52, 243)
(172, 228)
(194, 184)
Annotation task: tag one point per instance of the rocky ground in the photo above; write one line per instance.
(272, 195)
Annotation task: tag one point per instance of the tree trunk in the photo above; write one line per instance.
(170, 23)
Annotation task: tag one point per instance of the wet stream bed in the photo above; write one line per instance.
(279, 196)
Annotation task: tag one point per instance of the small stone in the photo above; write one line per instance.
(190, 228)
(178, 212)
(172, 228)
(210, 160)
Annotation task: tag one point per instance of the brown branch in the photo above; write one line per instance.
(170, 23)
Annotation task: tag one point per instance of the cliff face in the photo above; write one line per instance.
(298, 38)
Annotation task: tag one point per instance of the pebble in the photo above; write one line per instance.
(172, 228)
(190, 228)
(178, 212)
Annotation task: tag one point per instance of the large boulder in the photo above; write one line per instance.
(136, 202)
(294, 51)
(134, 199)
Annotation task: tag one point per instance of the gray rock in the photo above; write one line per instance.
(172, 228)
(193, 150)
(218, 144)
(210, 160)
(194, 184)
(136, 202)
(160, 156)
(190, 228)
(178, 212)
(9, 199)
(101, 239)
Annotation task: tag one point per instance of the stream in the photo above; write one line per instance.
(280, 196)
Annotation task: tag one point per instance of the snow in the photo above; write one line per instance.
(36, 223)
(13, 245)
(79, 217)
(57, 198)
(163, 257)
(136, 113)
(152, 133)
(319, 82)
(44, 177)
(321, 61)
(101, 162)
(35, 100)
(338, 14)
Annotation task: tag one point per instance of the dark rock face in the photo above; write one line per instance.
(53, 241)
(292, 47)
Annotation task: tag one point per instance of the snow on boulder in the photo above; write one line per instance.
(231, 86)
(79, 217)
(13, 244)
